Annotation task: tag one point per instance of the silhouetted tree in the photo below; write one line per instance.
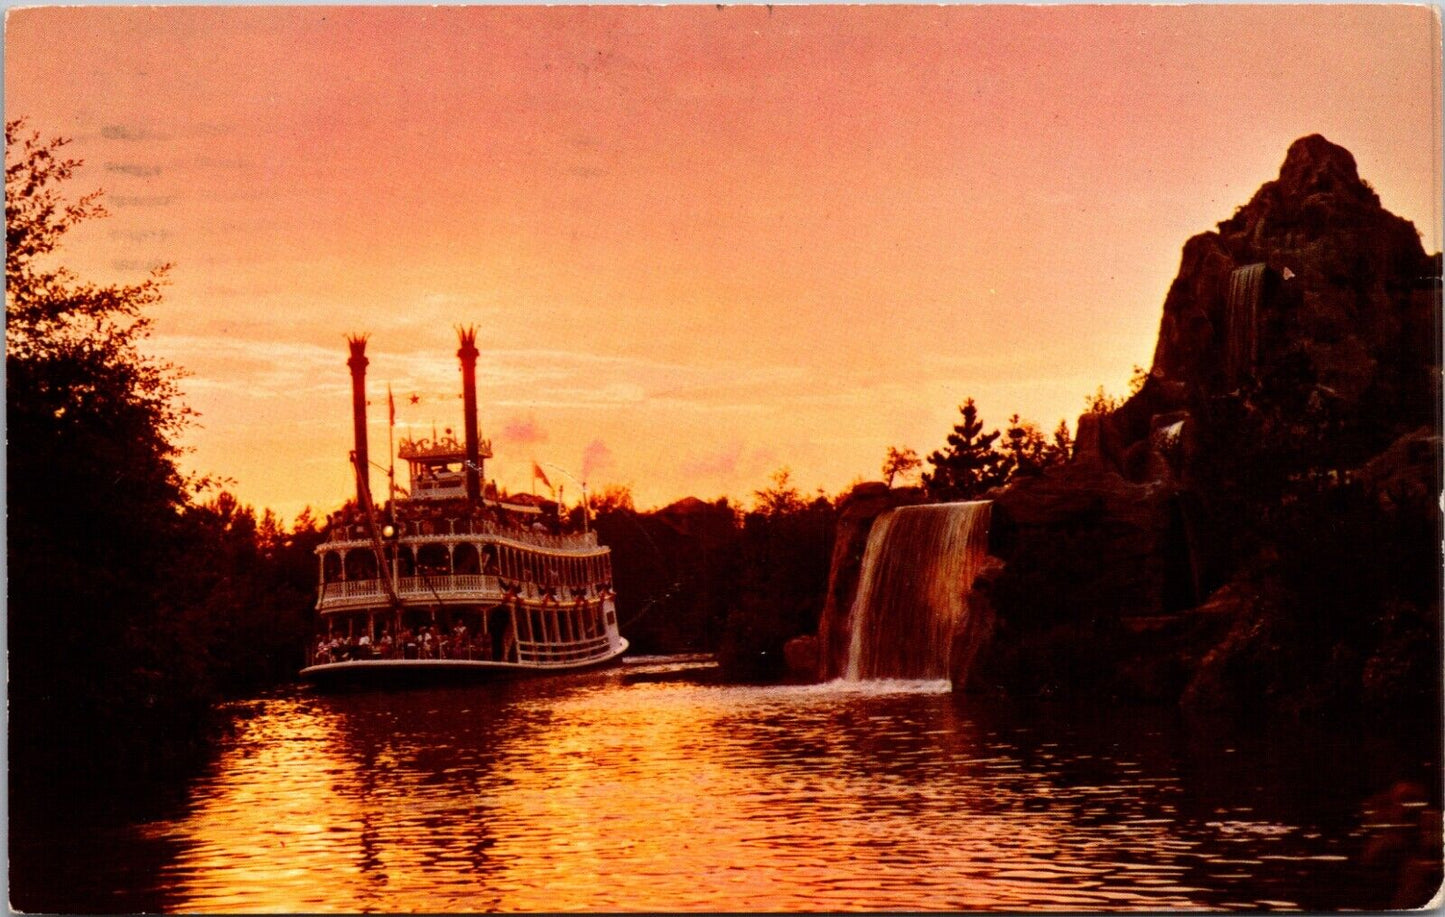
(613, 498)
(787, 544)
(1101, 402)
(781, 498)
(1025, 448)
(675, 570)
(899, 462)
(970, 464)
(1062, 447)
(249, 584)
(98, 649)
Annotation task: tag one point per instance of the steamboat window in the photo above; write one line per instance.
(433, 560)
(465, 560)
(360, 565)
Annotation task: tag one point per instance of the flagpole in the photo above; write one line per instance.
(584, 507)
(390, 453)
(583, 484)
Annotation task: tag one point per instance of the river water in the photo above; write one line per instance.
(654, 788)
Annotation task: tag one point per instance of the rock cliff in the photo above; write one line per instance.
(1348, 294)
(1297, 344)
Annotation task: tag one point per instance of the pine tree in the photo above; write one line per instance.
(970, 464)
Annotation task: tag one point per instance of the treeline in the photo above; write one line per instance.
(137, 597)
(716, 577)
(720, 577)
(742, 582)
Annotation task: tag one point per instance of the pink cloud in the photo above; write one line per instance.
(722, 463)
(594, 458)
(523, 430)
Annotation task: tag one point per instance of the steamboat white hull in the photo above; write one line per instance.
(397, 672)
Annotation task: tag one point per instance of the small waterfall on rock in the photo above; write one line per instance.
(1246, 287)
(917, 570)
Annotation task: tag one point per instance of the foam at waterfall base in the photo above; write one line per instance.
(827, 693)
(880, 686)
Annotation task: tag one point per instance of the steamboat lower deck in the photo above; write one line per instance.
(402, 672)
(484, 600)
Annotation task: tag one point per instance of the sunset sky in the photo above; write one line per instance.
(699, 243)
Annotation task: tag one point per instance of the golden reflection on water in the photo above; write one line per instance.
(603, 795)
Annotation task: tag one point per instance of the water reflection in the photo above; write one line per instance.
(617, 793)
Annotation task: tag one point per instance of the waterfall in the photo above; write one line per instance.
(917, 570)
(1246, 287)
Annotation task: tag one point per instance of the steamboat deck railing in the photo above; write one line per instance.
(450, 530)
(523, 652)
(545, 654)
(453, 587)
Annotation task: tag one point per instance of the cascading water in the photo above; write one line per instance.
(1246, 287)
(917, 570)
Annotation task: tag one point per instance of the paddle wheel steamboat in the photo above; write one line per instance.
(446, 580)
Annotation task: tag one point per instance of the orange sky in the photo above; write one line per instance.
(700, 243)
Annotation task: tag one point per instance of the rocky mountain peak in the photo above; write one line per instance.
(1314, 165)
(1341, 284)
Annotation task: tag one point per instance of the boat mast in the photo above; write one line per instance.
(361, 462)
(468, 354)
(358, 363)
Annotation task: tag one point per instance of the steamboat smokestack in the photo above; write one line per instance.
(358, 364)
(468, 354)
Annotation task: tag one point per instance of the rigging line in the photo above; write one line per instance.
(365, 494)
(426, 580)
(672, 590)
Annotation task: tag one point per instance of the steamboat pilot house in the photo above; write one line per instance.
(443, 579)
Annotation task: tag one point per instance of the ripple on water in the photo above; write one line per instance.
(671, 795)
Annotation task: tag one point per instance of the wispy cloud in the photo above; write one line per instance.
(130, 132)
(139, 200)
(259, 369)
(544, 378)
(139, 170)
(139, 235)
(134, 264)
